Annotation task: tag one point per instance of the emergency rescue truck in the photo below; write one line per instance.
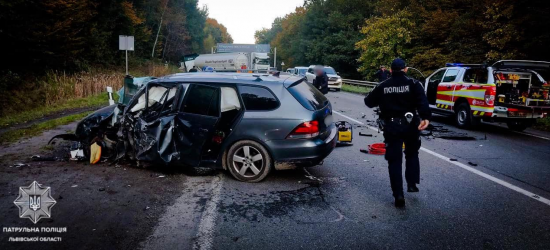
(511, 91)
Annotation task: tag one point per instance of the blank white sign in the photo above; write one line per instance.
(126, 43)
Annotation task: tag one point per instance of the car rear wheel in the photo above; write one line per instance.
(248, 161)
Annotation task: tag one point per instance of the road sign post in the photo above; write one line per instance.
(126, 43)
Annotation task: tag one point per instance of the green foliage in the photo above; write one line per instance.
(36, 129)
(362, 34)
(320, 32)
(77, 35)
(386, 38)
(356, 89)
(543, 124)
(22, 117)
(215, 33)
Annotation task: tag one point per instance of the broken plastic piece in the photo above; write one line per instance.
(365, 134)
(95, 153)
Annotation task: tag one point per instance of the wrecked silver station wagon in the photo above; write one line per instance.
(247, 124)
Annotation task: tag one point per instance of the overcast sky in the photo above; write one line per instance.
(243, 17)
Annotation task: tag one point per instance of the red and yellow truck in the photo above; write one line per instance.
(511, 91)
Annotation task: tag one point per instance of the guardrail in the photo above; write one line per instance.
(359, 83)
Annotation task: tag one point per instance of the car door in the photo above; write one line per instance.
(196, 121)
(446, 89)
(431, 87)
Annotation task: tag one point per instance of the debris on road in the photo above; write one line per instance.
(365, 134)
(375, 149)
(439, 131)
(472, 164)
(452, 159)
(101, 189)
(40, 158)
(18, 165)
(73, 186)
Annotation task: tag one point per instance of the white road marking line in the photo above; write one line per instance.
(205, 234)
(519, 132)
(533, 135)
(468, 168)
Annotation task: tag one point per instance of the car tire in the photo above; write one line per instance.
(337, 90)
(517, 125)
(248, 161)
(463, 116)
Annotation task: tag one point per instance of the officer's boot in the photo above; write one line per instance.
(399, 201)
(411, 188)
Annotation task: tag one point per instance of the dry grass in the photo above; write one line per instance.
(57, 87)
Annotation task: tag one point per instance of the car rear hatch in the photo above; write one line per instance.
(313, 100)
(523, 85)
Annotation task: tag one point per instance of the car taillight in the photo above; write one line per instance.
(490, 96)
(305, 130)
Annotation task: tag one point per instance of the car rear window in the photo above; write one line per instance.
(258, 98)
(308, 96)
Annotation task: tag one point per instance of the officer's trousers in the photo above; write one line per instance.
(395, 134)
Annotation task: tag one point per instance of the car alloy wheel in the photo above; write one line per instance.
(248, 161)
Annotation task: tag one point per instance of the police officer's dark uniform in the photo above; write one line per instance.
(396, 97)
(321, 82)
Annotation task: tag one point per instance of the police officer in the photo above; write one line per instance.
(321, 80)
(404, 112)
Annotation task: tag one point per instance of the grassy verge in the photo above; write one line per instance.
(355, 89)
(543, 124)
(36, 129)
(21, 117)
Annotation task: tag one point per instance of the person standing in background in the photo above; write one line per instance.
(321, 80)
(382, 74)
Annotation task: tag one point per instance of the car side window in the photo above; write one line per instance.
(258, 98)
(437, 76)
(476, 76)
(450, 75)
(202, 100)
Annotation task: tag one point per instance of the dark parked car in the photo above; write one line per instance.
(247, 124)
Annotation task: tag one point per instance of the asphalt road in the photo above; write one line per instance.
(494, 196)
(346, 203)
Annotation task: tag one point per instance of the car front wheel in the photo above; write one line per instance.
(248, 161)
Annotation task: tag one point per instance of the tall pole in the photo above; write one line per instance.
(158, 31)
(275, 58)
(126, 56)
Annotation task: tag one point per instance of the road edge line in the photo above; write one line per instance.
(205, 232)
(468, 168)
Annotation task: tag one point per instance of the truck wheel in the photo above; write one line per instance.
(517, 125)
(463, 116)
(248, 161)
